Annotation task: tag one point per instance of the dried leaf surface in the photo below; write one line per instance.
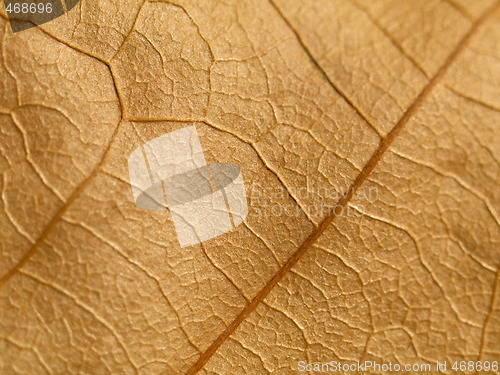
(310, 100)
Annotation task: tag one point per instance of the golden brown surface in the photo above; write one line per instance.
(401, 98)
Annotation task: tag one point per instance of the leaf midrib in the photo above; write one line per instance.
(369, 167)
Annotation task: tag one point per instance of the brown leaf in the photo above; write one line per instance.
(367, 135)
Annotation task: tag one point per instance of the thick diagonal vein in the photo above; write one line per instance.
(489, 315)
(78, 190)
(76, 193)
(48, 229)
(369, 167)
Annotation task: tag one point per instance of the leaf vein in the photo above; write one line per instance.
(369, 167)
